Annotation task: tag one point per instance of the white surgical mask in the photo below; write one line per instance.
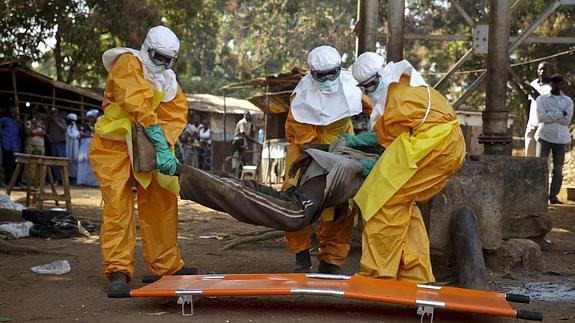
(328, 87)
(153, 68)
(373, 96)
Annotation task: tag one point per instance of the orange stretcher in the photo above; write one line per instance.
(425, 297)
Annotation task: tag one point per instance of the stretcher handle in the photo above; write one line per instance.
(529, 315)
(517, 298)
(123, 293)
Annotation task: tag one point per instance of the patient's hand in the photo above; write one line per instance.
(301, 162)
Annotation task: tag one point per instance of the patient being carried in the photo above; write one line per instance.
(329, 178)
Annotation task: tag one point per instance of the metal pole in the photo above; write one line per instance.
(396, 17)
(463, 13)
(495, 135)
(367, 20)
(518, 41)
(470, 90)
(542, 17)
(453, 69)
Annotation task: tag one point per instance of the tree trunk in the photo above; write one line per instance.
(58, 49)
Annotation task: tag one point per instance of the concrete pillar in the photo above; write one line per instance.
(395, 19)
(495, 136)
(367, 31)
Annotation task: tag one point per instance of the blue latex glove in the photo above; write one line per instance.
(166, 163)
(364, 139)
(367, 165)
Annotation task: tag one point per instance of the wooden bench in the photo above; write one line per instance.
(36, 180)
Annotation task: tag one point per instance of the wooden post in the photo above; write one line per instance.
(53, 96)
(16, 100)
(225, 113)
(82, 106)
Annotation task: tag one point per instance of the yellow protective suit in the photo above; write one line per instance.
(416, 165)
(110, 161)
(333, 237)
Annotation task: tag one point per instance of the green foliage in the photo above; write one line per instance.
(262, 37)
(73, 33)
(224, 41)
(434, 58)
(24, 27)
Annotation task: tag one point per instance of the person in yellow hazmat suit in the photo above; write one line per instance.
(424, 147)
(142, 88)
(322, 105)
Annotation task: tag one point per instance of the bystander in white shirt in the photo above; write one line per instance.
(554, 113)
(543, 89)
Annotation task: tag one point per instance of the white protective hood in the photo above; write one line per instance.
(311, 106)
(160, 38)
(390, 74)
(165, 82)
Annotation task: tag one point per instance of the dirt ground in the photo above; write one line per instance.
(79, 296)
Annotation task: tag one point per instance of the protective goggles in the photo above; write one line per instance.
(325, 75)
(370, 84)
(161, 59)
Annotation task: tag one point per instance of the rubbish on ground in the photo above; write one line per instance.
(89, 226)
(7, 203)
(17, 229)
(58, 267)
(215, 235)
(83, 230)
(51, 224)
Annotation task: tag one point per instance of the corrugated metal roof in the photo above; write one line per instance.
(44, 78)
(214, 103)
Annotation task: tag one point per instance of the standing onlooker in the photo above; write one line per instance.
(35, 130)
(538, 87)
(554, 111)
(205, 149)
(243, 135)
(72, 144)
(11, 131)
(85, 174)
(190, 143)
(56, 135)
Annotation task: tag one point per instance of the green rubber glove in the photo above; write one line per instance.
(364, 139)
(165, 160)
(367, 165)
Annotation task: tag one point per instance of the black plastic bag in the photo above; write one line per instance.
(51, 224)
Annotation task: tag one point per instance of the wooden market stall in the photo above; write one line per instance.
(223, 113)
(21, 86)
